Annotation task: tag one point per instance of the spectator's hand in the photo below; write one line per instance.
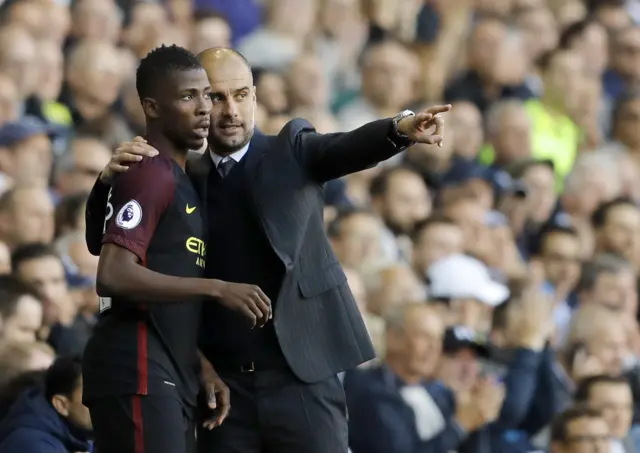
(418, 127)
(124, 155)
(218, 396)
(481, 406)
(480, 244)
(509, 260)
(488, 397)
(467, 414)
(246, 299)
(530, 320)
(586, 365)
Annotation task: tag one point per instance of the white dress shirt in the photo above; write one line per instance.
(236, 155)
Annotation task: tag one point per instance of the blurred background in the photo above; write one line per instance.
(498, 275)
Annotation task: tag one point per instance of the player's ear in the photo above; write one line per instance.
(150, 107)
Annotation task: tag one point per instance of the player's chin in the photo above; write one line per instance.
(196, 142)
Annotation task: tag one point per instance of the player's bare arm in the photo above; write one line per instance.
(120, 274)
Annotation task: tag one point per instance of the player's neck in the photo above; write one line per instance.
(167, 147)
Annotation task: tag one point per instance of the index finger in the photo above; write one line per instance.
(439, 109)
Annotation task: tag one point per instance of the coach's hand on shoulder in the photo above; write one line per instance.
(249, 300)
(425, 127)
(124, 155)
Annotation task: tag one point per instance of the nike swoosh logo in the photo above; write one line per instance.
(190, 210)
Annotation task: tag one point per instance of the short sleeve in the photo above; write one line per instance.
(136, 202)
(95, 213)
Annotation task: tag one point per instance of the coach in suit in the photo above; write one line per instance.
(264, 205)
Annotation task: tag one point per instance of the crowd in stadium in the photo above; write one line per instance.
(497, 274)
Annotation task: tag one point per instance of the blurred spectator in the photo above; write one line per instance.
(26, 216)
(616, 224)
(560, 258)
(94, 78)
(466, 126)
(609, 281)
(53, 419)
(434, 239)
(612, 396)
(25, 152)
(580, 429)
(625, 117)
(469, 301)
(20, 311)
(79, 167)
(595, 345)
(211, 30)
(390, 286)
(389, 72)
(13, 389)
(375, 324)
(18, 59)
(40, 266)
(69, 214)
(400, 408)
(96, 20)
(484, 83)
(508, 132)
(623, 73)
(401, 199)
(355, 236)
(276, 44)
(18, 358)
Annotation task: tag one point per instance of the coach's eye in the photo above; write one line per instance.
(188, 97)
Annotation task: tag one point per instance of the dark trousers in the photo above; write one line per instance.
(274, 412)
(142, 424)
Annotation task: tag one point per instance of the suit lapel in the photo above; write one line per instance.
(257, 150)
(255, 188)
(255, 153)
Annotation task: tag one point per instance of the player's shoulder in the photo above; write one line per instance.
(158, 168)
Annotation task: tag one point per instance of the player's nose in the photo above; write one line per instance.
(204, 106)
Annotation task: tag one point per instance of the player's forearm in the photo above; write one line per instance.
(126, 278)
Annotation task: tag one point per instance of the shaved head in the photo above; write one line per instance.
(222, 55)
(233, 96)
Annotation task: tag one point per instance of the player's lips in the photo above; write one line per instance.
(202, 128)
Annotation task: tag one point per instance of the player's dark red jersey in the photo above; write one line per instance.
(153, 211)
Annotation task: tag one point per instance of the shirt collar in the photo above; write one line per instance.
(237, 155)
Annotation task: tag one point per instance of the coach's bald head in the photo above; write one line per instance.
(233, 96)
